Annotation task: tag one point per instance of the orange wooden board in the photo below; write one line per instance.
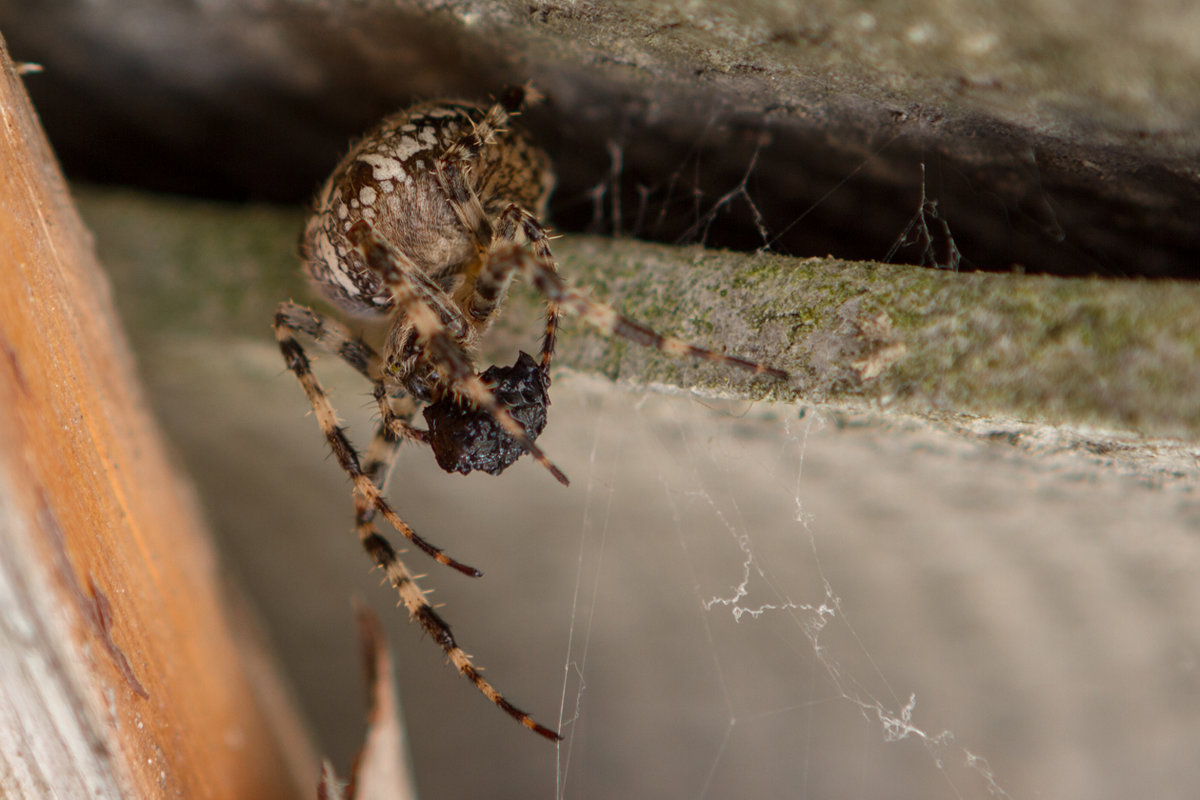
(127, 673)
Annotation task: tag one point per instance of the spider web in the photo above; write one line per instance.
(773, 663)
(768, 603)
(779, 652)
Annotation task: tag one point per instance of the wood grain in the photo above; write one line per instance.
(123, 671)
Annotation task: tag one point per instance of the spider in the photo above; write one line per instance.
(423, 225)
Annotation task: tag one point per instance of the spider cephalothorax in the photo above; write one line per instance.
(423, 225)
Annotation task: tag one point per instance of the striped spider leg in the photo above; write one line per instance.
(370, 480)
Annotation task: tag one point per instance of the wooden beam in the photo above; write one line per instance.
(123, 670)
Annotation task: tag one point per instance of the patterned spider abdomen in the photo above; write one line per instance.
(466, 439)
(389, 180)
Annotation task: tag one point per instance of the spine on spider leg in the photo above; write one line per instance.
(515, 96)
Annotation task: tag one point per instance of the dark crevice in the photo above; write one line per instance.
(839, 175)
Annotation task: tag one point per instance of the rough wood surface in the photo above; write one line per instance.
(1058, 137)
(1118, 355)
(122, 672)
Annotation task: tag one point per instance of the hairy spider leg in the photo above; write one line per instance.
(290, 319)
(337, 339)
(332, 337)
(379, 459)
(381, 453)
(452, 170)
(442, 349)
(517, 225)
(397, 423)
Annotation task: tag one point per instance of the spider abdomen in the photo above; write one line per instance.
(389, 180)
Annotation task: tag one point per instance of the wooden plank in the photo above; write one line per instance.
(124, 670)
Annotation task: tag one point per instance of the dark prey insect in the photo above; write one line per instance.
(424, 224)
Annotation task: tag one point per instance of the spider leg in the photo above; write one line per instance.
(452, 169)
(518, 225)
(297, 361)
(378, 463)
(509, 256)
(453, 165)
(391, 265)
(397, 423)
(379, 458)
(332, 337)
